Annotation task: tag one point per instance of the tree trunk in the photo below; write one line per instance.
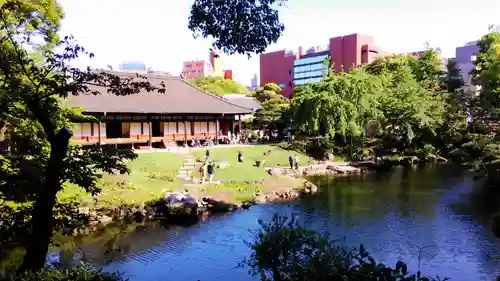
(43, 218)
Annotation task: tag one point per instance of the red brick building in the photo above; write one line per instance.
(290, 69)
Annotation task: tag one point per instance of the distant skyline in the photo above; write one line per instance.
(155, 31)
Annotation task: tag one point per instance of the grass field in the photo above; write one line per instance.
(155, 173)
(152, 174)
(247, 170)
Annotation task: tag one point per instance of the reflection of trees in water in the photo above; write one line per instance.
(115, 243)
(404, 193)
(415, 191)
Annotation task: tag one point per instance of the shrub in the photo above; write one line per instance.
(80, 273)
(283, 250)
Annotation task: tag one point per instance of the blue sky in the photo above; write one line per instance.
(155, 31)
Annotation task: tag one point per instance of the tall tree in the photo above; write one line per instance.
(339, 105)
(456, 110)
(273, 106)
(486, 74)
(36, 169)
(428, 68)
(42, 159)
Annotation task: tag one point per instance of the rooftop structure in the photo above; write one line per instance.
(181, 113)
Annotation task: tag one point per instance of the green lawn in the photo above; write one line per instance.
(246, 170)
(152, 174)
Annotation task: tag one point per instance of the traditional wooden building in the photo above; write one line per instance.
(182, 113)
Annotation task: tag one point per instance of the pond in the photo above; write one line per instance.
(395, 214)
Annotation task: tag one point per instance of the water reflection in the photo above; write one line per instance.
(396, 214)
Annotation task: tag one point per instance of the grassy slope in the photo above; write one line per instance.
(240, 191)
(246, 170)
(152, 174)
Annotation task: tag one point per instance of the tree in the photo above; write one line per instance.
(487, 74)
(411, 108)
(41, 159)
(39, 164)
(427, 68)
(237, 27)
(454, 124)
(218, 85)
(273, 106)
(340, 104)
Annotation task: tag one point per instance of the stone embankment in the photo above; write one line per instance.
(181, 207)
(318, 169)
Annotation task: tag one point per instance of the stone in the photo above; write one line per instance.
(309, 187)
(273, 171)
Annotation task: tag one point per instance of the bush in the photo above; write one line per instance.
(81, 273)
(283, 250)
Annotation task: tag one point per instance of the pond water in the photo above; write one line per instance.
(393, 214)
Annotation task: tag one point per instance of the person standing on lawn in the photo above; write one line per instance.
(296, 163)
(207, 156)
(291, 159)
(240, 156)
(210, 171)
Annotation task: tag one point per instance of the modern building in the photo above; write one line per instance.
(289, 69)
(133, 66)
(465, 57)
(196, 68)
(180, 114)
(214, 66)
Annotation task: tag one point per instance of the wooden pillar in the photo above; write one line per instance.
(239, 122)
(217, 130)
(185, 132)
(99, 132)
(150, 134)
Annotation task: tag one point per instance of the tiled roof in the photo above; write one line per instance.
(243, 100)
(179, 97)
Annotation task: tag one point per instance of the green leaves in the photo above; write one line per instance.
(218, 86)
(284, 250)
(339, 105)
(237, 26)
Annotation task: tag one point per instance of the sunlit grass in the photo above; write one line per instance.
(151, 175)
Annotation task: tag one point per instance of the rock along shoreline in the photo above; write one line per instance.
(182, 207)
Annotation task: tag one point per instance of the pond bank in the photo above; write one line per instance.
(195, 202)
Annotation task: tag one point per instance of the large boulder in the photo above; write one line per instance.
(179, 203)
(310, 188)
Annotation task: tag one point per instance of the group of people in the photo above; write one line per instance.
(294, 161)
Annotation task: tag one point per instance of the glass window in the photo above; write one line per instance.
(316, 73)
(282, 86)
(318, 67)
(309, 60)
(314, 80)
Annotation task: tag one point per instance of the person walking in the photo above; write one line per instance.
(210, 171)
(291, 160)
(240, 156)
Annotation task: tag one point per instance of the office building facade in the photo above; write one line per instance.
(465, 57)
(289, 69)
(214, 66)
